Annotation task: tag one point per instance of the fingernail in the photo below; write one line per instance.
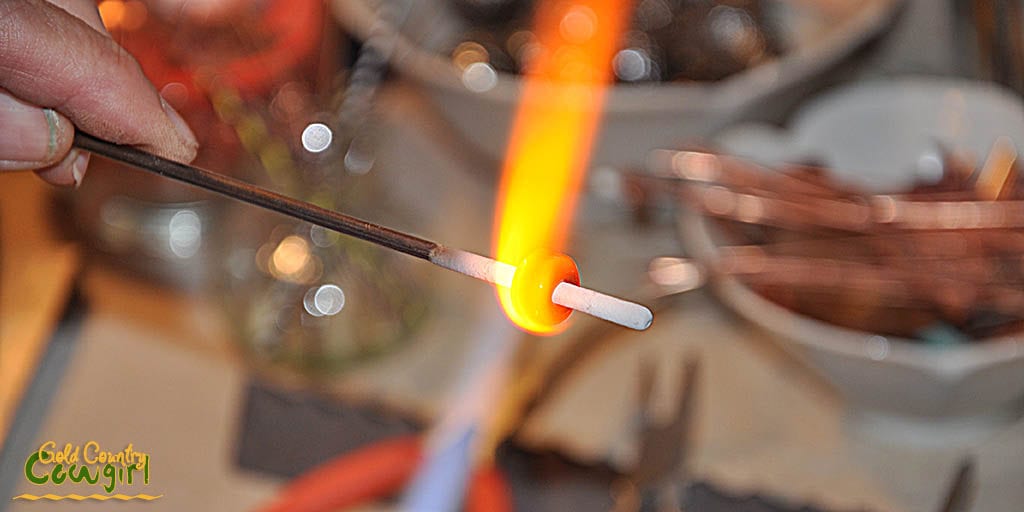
(53, 130)
(78, 168)
(64, 173)
(31, 134)
(187, 137)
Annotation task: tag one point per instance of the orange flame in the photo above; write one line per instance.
(553, 132)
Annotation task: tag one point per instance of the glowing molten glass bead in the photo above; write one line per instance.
(534, 282)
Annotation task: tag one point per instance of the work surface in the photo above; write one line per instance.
(157, 367)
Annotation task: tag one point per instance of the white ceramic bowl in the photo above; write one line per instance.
(874, 133)
(638, 118)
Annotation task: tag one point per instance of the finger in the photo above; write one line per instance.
(85, 10)
(33, 137)
(68, 172)
(53, 59)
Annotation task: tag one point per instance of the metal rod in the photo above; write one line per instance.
(238, 189)
(577, 298)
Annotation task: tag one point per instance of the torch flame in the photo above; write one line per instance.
(553, 130)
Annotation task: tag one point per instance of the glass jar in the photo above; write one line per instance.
(312, 301)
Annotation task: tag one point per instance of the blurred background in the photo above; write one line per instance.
(821, 200)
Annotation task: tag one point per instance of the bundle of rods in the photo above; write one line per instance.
(941, 262)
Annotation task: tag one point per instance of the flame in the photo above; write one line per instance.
(553, 131)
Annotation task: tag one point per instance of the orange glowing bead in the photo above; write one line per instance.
(534, 282)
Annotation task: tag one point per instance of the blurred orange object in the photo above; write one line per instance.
(378, 471)
(221, 79)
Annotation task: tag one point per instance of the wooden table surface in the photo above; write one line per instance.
(36, 273)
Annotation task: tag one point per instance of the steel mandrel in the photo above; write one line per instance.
(555, 280)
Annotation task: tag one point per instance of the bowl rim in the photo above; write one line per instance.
(840, 100)
(951, 363)
(733, 92)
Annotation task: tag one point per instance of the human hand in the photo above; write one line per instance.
(60, 69)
